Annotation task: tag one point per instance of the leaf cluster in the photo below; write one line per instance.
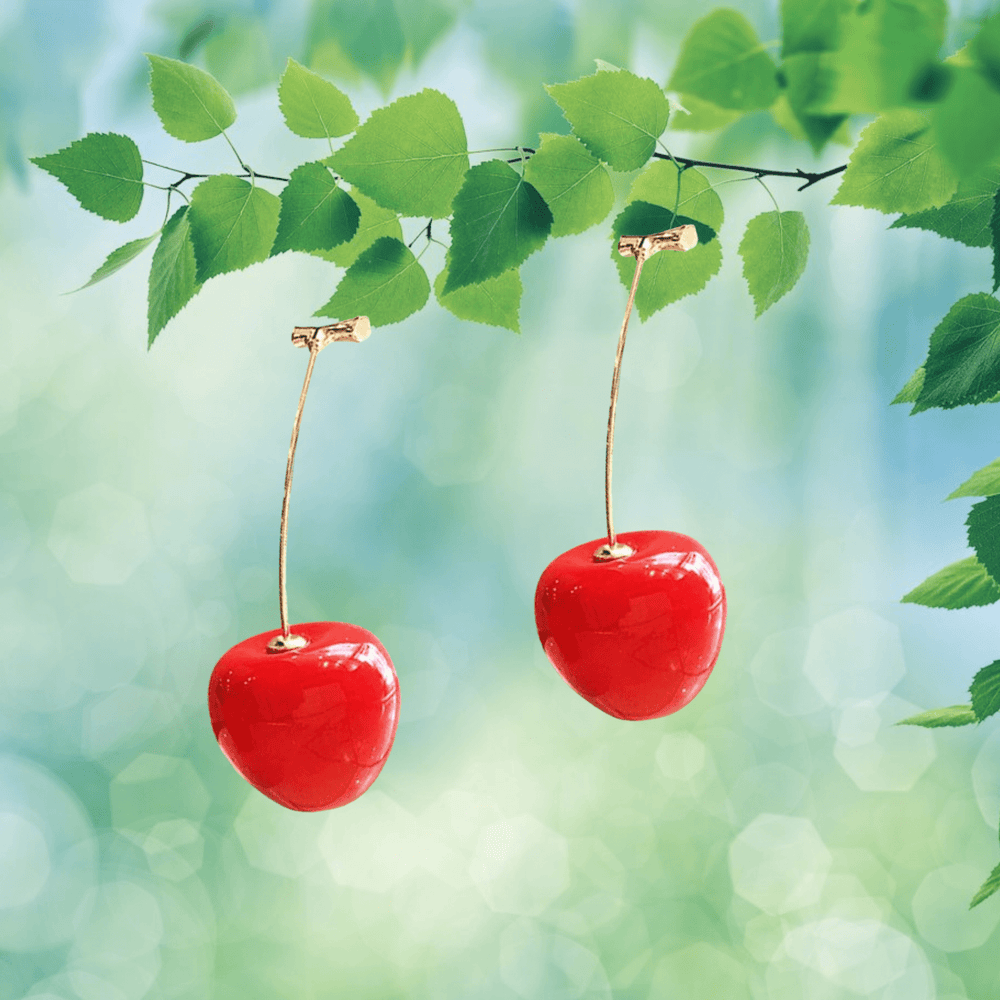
(931, 157)
(410, 160)
(961, 368)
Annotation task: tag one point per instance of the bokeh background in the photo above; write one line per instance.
(779, 838)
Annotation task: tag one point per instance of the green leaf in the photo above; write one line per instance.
(191, 104)
(325, 55)
(499, 221)
(911, 391)
(117, 259)
(807, 80)
(194, 37)
(103, 171)
(966, 218)
(425, 22)
(990, 886)
(410, 156)
(668, 275)
(723, 61)
(896, 167)
(963, 364)
(932, 83)
(963, 584)
(984, 483)
(774, 249)
(313, 107)
(967, 122)
(233, 224)
(316, 214)
(385, 283)
(239, 56)
(573, 183)
(884, 47)
(617, 115)
(375, 223)
(811, 25)
(983, 523)
(956, 715)
(369, 35)
(172, 280)
(495, 301)
(995, 234)
(658, 184)
(985, 691)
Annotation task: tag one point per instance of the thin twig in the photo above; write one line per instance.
(263, 177)
(774, 201)
(189, 176)
(426, 231)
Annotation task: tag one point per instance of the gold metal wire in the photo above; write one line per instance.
(315, 338)
(283, 547)
(642, 248)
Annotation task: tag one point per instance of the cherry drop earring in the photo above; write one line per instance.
(633, 623)
(307, 716)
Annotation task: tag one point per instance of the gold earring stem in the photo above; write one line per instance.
(283, 548)
(315, 338)
(613, 547)
(642, 248)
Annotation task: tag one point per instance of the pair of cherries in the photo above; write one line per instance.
(633, 623)
(311, 726)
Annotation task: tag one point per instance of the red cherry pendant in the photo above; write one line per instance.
(636, 636)
(310, 727)
(307, 717)
(633, 623)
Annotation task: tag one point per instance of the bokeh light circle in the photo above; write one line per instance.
(48, 857)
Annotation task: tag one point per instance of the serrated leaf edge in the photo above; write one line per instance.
(990, 671)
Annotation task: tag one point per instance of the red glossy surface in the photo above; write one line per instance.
(311, 727)
(637, 637)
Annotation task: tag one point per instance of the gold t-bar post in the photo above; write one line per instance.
(642, 248)
(315, 338)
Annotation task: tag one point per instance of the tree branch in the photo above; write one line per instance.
(810, 178)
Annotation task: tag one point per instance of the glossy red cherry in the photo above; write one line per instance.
(310, 727)
(636, 636)
(307, 717)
